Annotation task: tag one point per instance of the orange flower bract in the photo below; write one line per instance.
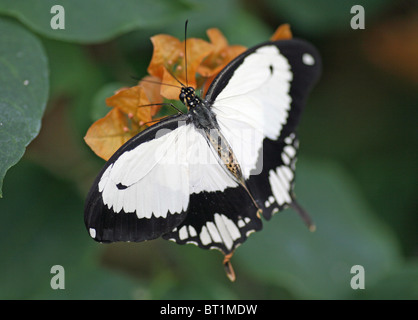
(221, 54)
(135, 108)
(108, 134)
(168, 60)
(282, 33)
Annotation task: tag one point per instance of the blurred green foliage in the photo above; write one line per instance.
(356, 172)
(24, 92)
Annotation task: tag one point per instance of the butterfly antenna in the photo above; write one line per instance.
(181, 83)
(160, 83)
(161, 104)
(185, 50)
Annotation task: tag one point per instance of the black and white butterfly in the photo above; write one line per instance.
(207, 176)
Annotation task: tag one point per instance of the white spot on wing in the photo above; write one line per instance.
(276, 187)
(308, 59)
(284, 183)
(92, 232)
(183, 233)
(285, 158)
(223, 231)
(290, 151)
(213, 231)
(249, 232)
(192, 231)
(232, 228)
(287, 172)
(280, 184)
(204, 236)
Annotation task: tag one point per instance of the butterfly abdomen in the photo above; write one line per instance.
(225, 153)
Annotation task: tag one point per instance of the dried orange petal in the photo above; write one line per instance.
(166, 51)
(129, 101)
(221, 55)
(152, 88)
(168, 62)
(108, 134)
(282, 33)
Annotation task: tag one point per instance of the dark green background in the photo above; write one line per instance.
(356, 174)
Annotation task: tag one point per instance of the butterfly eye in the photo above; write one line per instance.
(182, 96)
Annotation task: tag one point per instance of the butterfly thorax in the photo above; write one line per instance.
(199, 110)
(204, 118)
(189, 98)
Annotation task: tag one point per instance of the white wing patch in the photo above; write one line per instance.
(308, 59)
(158, 176)
(280, 185)
(222, 230)
(282, 177)
(255, 104)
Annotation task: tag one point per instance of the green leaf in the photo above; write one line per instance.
(400, 284)
(324, 16)
(94, 20)
(72, 69)
(24, 87)
(44, 227)
(317, 265)
(245, 29)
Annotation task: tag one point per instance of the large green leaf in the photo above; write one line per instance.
(93, 20)
(324, 16)
(23, 92)
(317, 265)
(400, 284)
(43, 219)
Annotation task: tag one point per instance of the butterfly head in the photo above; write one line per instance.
(188, 97)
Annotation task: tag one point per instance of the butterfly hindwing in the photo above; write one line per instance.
(218, 220)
